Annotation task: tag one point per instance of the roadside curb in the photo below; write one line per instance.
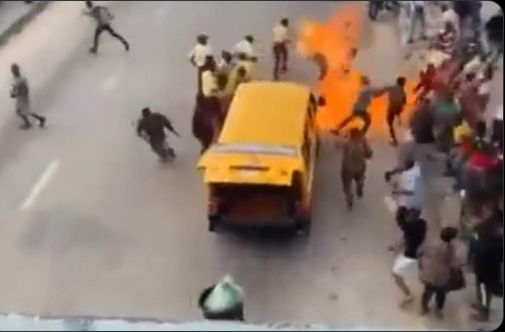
(20, 24)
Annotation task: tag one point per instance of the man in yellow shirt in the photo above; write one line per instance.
(210, 103)
(280, 48)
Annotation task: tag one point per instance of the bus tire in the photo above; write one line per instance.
(303, 227)
(213, 224)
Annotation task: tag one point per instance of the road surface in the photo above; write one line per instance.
(92, 224)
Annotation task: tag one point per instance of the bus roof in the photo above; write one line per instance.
(268, 113)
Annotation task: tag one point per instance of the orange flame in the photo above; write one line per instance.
(336, 41)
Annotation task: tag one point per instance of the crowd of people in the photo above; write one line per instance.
(449, 123)
(218, 80)
(453, 95)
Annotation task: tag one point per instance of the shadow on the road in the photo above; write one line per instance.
(267, 237)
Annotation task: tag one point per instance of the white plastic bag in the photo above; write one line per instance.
(224, 296)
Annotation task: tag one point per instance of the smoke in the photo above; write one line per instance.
(336, 40)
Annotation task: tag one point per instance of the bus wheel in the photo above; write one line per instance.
(303, 227)
(213, 223)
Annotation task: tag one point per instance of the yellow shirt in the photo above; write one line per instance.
(461, 132)
(234, 81)
(248, 66)
(280, 34)
(209, 84)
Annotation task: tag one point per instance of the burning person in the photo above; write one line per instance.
(361, 105)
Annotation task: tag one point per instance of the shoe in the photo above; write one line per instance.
(127, 47)
(25, 126)
(424, 311)
(92, 50)
(439, 314)
(42, 122)
(350, 205)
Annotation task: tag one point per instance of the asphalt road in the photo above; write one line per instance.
(92, 224)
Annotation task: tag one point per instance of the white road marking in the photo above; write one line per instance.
(49, 172)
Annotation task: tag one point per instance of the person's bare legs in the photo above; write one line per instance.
(402, 285)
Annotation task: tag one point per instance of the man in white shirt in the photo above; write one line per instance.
(198, 56)
(408, 191)
(417, 13)
(280, 48)
(245, 47)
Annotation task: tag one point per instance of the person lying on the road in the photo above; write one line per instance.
(151, 126)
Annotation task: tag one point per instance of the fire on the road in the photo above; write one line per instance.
(335, 40)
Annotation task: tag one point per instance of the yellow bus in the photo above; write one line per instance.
(260, 171)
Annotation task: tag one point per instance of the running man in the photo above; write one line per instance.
(360, 108)
(356, 153)
(397, 99)
(21, 92)
(103, 19)
(151, 127)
